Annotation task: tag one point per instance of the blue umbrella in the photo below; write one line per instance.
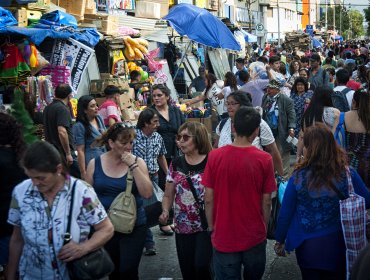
(316, 43)
(201, 26)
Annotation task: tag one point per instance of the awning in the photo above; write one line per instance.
(249, 38)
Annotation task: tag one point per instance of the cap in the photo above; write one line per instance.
(315, 57)
(274, 84)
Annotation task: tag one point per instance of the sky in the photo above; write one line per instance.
(357, 2)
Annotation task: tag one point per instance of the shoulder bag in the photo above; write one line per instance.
(122, 211)
(94, 265)
(353, 217)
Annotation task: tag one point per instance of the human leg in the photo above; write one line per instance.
(254, 262)
(203, 255)
(185, 247)
(227, 266)
(149, 243)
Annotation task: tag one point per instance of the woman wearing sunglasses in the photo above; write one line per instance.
(107, 174)
(183, 189)
(170, 119)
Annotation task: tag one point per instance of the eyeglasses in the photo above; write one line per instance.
(232, 104)
(186, 137)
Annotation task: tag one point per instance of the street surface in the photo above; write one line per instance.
(165, 266)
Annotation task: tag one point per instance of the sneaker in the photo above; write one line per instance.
(150, 252)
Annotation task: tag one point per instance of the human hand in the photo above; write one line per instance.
(291, 132)
(128, 158)
(163, 218)
(280, 249)
(69, 159)
(268, 67)
(72, 251)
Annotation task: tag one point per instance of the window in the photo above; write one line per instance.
(270, 12)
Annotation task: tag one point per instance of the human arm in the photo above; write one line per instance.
(276, 158)
(360, 187)
(287, 211)
(300, 146)
(208, 200)
(269, 73)
(111, 121)
(336, 120)
(64, 141)
(79, 141)
(291, 117)
(266, 207)
(167, 201)
(81, 160)
(90, 172)
(15, 251)
(140, 174)
(163, 163)
(196, 99)
(103, 231)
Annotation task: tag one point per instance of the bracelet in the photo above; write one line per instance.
(165, 210)
(133, 167)
(135, 161)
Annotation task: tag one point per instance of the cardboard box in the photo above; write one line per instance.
(20, 15)
(206, 121)
(75, 7)
(146, 9)
(107, 24)
(98, 86)
(39, 5)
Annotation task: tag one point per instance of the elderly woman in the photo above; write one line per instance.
(170, 119)
(39, 210)
(108, 175)
(12, 147)
(193, 243)
(89, 126)
(309, 219)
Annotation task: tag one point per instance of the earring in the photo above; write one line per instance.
(59, 174)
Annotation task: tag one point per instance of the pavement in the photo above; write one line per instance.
(165, 265)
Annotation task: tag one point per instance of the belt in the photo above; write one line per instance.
(153, 174)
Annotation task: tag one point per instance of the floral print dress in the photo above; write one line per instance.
(43, 227)
(187, 219)
(301, 103)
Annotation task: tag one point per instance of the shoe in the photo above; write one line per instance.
(167, 232)
(150, 252)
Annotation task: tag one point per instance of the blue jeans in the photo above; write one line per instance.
(228, 265)
(4, 249)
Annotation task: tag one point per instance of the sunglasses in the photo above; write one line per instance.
(186, 137)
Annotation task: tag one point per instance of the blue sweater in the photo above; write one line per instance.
(308, 214)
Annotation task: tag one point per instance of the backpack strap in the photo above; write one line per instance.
(222, 123)
(346, 90)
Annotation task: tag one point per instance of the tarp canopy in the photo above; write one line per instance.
(316, 43)
(37, 35)
(337, 37)
(201, 26)
(249, 38)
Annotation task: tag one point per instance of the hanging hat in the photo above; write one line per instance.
(274, 84)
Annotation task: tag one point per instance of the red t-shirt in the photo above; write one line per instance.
(239, 177)
(353, 85)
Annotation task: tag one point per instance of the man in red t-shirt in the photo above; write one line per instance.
(239, 180)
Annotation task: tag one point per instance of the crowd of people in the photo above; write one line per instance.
(301, 119)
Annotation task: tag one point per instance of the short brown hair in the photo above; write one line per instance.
(201, 138)
(118, 131)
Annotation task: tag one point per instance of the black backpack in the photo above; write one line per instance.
(340, 101)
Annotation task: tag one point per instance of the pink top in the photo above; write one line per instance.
(109, 109)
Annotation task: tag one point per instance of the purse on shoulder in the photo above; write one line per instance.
(94, 265)
(122, 211)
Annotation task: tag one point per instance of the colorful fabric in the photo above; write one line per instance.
(301, 103)
(14, 68)
(187, 219)
(43, 227)
(358, 151)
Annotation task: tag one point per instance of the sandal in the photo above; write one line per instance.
(167, 232)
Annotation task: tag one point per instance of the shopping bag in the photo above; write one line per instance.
(271, 227)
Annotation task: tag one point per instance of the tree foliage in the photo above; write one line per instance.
(351, 21)
(367, 18)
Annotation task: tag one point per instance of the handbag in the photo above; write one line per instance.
(122, 211)
(94, 265)
(153, 211)
(272, 225)
(353, 217)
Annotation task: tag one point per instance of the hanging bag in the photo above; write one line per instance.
(94, 265)
(353, 218)
(122, 211)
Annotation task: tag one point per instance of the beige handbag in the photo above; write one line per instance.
(122, 211)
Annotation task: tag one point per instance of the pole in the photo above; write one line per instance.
(278, 11)
(182, 59)
(334, 17)
(326, 14)
(340, 18)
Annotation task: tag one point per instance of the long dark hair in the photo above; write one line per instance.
(324, 158)
(230, 81)
(211, 79)
(11, 134)
(300, 80)
(362, 99)
(314, 113)
(82, 105)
